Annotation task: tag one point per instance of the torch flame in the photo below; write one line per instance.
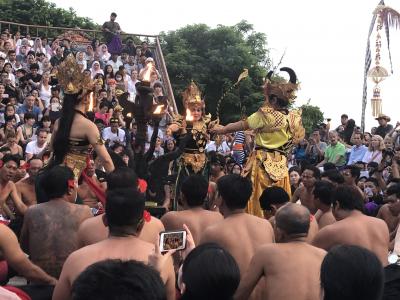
(91, 102)
(158, 109)
(147, 72)
(189, 116)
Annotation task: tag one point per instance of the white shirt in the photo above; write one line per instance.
(32, 148)
(45, 95)
(223, 148)
(115, 65)
(132, 90)
(119, 136)
(371, 156)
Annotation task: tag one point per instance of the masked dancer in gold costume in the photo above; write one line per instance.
(276, 131)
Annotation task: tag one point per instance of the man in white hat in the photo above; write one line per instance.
(384, 128)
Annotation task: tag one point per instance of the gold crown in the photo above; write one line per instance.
(71, 78)
(192, 96)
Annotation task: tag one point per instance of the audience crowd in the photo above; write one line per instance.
(337, 234)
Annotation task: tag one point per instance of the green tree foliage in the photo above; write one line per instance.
(41, 12)
(213, 58)
(311, 117)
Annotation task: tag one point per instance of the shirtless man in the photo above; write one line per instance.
(26, 187)
(49, 233)
(11, 252)
(353, 227)
(393, 205)
(351, 175)
(239, 233)
(93, 230)
(193, 193)
(275, 197)
(304, 192)
(388, 211)
(124, 216)
(323, 198)
(292, 266)
(84, 191)
(11, 205)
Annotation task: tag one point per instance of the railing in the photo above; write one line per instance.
(52, 32)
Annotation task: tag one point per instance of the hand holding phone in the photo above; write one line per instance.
(172, 240)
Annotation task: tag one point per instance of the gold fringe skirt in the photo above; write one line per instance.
(265, 169)
(76, 162)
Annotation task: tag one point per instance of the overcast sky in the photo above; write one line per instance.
(325, 41)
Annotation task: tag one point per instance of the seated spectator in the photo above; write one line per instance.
(115, 62)
(103, 114)
(323, 197)
(57, 59)
(272, 261)
(294, 176)
(11, 143)
(33, 77)
(95, 69)
(49, 231)
(115, 279)
(124, 216)
(353, 227)
(26, 132)
(8, 127)
(351, 272)
(315, 148)
(29, 106)
(358, 150)
(9, 111)
(194, 191)
(203, 271)
(335, 152)
(36, 147)
(374, 153)
(373, 196)
(114, 134)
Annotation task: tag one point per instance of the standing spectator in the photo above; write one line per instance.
(358, 150)
(343, 121)
(383, 128)
(130, 47)
(132, 85)
(374, 153)
(145, 50)
(238, 147)
(112, 32)
(38, 146)
(335, 152)
(114, 134)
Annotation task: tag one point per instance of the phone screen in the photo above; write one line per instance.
(170, 240)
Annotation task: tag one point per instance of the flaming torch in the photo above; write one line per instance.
(91, 102)
(189, 119)
(158, 110)
(145, 74)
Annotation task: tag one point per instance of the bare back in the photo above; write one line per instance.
(240, 234)
(360, 230)
(326, 219)
(93, 231)
(291, 270)
(196, 219)
(49, 233)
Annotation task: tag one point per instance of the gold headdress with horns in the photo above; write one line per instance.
(282, 89)
(192, 96)
(71, 78)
